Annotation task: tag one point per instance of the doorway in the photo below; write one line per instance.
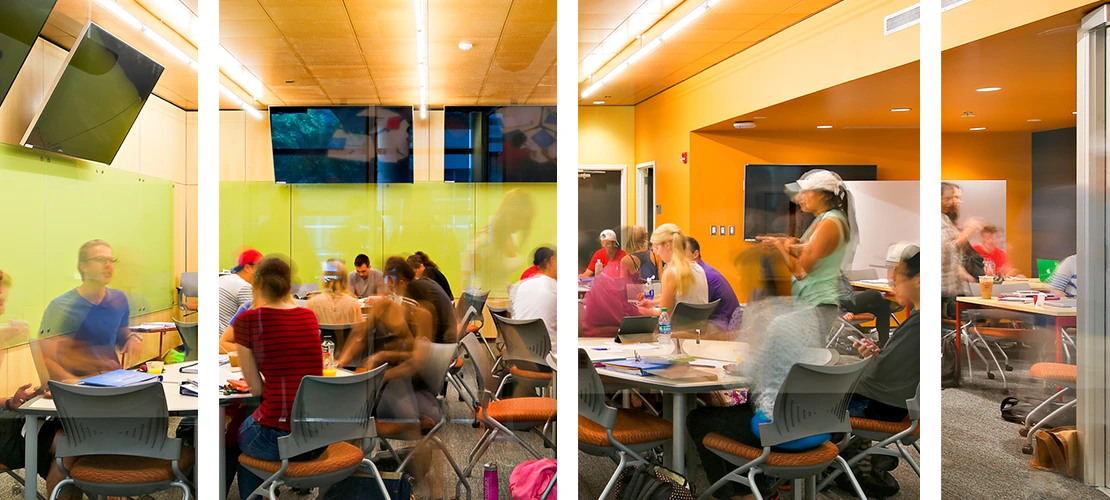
(601, 202)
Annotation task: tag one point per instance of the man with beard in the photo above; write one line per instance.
(953, 242)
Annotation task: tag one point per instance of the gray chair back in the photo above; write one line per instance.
(464, 321)
(439, 360)
(812, 400)
(861, 274)
(483, 366)
(914, 405)
(328, 410)
(688, 316)
(189, 286)
(525, 340)
(132, 420)
(188, 332)
(475, 300)
(591, 394)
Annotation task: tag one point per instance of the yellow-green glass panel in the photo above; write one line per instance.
(511, 220)
(333, 221)
(432, 217)
(254, 215)
(23, 233)
(157, 244)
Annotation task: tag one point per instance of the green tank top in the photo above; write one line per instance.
(820, 285)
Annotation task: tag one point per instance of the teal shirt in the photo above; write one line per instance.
(820, 285)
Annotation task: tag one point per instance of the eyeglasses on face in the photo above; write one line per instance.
(102, 260)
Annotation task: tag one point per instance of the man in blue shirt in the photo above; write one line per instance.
(719, 289)
(84, 327)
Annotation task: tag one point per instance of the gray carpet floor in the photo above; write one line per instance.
(981, 453)
(458, 435)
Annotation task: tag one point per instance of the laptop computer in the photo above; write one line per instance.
(635, 329)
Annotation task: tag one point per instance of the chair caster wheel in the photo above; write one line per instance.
(1009, 368)
(1023, 432)
(1027, 449)
(475, 424)
(990, 376)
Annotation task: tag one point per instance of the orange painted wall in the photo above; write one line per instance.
(717, 176)
(606, 136)
(993, 156)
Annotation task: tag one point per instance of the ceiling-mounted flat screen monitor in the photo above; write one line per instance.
(96, 98)
(20, 24)
(342, 144)
(768, 209)
(500, 144)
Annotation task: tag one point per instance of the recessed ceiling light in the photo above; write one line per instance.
(1033, 120)
(824, 126)
(977, 128)
(900, 110)
(465, 45)
(989, 89)
(759, 117)
(742, 124)
(599, 102)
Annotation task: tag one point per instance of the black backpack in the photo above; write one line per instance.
(648, 482)
(949, 362)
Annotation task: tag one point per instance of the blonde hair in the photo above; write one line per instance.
(334, 277)
(634, 237)
(670, 232)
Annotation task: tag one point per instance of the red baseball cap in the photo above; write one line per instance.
(251, 256)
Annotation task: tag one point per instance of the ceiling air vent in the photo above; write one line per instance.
(902, 19)
(951, 4)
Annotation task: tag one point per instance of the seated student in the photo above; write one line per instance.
(425, 268)
(535, 297)
(719, 289)
(1065, 280)
(606, 304)
(779, 337)
(639, 259)
(12, 442)
(235, 288)
(88, 323)
(401, 279)
(891, 378)
(364, 281)
(609, 251)
(682, 280)
(333, 306)
(278, 345)
(990, 251)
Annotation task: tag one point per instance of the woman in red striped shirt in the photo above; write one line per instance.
(280, 342)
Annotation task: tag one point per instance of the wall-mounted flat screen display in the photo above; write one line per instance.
(342, 144)
(768, 209)
(96, 98)
(20, 24)
(500, 144)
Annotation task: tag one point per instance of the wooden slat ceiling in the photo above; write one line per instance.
(364, 51)
(729, 28)
(178, 83)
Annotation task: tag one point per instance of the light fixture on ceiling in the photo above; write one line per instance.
(1033, 120)
(599, 102)
(179, 15)
(743, 124)
(967, 114)
(465, 45)
(240, 102)
(647, 48)
(988, 89)
(824, 126)
(421, 11)
(900, 110)
(241, 76)
(976, 129)
(290, 81)
(759, 117)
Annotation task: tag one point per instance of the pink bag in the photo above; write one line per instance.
(529, 480)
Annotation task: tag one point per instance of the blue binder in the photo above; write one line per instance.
(120, 378)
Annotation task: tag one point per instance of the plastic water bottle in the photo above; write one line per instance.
(649, 292)
(988, 267)
(664, 327)
(598, 267)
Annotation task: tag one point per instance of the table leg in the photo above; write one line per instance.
(959, 344)
(1059, 340)
(678, 423)
(223, 474)
(31, 458)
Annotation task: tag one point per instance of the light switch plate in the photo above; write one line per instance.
(732, 230)
(713, 230)
(658, 209)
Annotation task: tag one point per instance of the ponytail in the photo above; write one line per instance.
(683, 272)
(425, 259)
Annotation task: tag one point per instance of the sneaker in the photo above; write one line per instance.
(879, 484)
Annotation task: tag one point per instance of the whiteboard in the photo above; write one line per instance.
(887, 213)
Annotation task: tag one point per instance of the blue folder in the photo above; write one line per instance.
(633, 367)
(120, 378)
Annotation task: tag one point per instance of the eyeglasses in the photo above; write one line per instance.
(102, 260)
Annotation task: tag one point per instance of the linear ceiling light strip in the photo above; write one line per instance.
(670, 33)
(421, 11)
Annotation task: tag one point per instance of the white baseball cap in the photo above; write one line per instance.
(901, 251)
(608, 235)
(817, 179)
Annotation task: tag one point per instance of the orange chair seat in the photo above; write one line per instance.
(3, 468)
(191, 305)
(1059, 372)
(866, 424)
(522, 373)
(1005, 333)
(863, 317)
(820, 455)
(457, 364)
(473, 328)
(521, 410)
(337, 457)
(631, 427)
(390, 429)
(124, 469)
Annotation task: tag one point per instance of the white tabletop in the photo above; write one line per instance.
(171, 382)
